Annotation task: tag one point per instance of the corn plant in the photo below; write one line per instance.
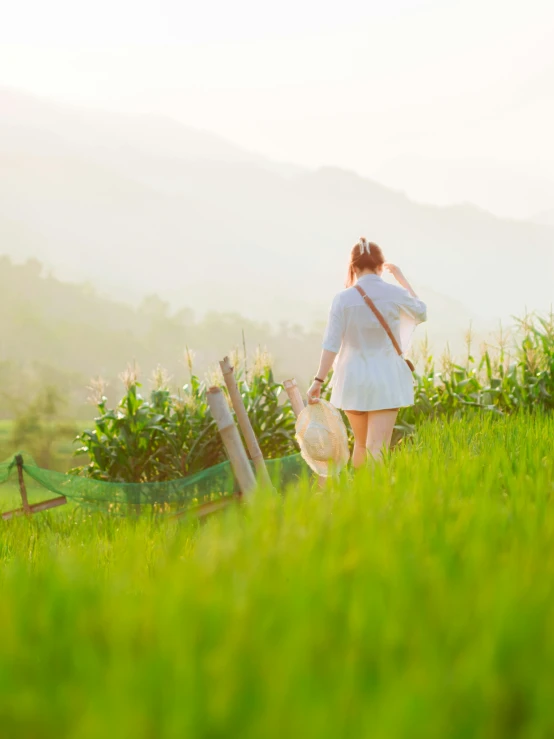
(169, 436)
(504, 380)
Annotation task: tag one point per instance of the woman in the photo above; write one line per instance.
(371, 380)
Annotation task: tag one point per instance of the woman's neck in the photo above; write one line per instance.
(366, 272)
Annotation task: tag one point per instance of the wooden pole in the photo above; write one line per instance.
(206, 509)
(244, 422)
(29, 508)
(44, 505)
(295, 396)
(232, 441)
(22, 488)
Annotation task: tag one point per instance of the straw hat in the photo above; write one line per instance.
(321, 434)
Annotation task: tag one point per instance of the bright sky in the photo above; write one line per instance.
(362, 84)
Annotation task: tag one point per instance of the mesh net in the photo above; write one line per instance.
(213, 484)
(6, 469)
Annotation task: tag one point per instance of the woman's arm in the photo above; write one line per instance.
(412, 306)
(325, 364)
(332, 341)
(396, 272)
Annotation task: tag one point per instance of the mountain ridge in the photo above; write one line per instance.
(233, 234)
(545, 218)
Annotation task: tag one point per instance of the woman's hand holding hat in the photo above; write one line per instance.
(314, 393)
(322, 437)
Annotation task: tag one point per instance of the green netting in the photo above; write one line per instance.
(6, 469)
(212, 484)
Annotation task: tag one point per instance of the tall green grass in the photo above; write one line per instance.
(411, 600)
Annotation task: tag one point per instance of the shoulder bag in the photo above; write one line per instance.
(379, 316)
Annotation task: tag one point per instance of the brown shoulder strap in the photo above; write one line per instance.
(369, 302)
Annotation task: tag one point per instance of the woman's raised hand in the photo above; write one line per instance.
(398, 275)
(395, 271)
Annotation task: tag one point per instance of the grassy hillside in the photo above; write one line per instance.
(415, 600)
(62, 451)
(62, 334)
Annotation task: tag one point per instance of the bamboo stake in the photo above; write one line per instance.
(232, 441)
(244, 422)
(22, 488)
(29, 508)
(206, 509)
(295, 396)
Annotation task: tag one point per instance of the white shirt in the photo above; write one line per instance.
(369, 374)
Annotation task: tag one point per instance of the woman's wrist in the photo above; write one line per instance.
(318, 379)
(406, 285)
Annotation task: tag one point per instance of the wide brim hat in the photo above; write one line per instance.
(322, 437)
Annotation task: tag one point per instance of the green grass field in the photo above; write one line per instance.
(62, 449)
(415, 600)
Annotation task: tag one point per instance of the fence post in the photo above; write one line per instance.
(22, 488)
(244, 422)
(295, 396)
(232, 441)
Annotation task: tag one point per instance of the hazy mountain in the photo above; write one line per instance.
(139, 205)
(545, 218)
(37, 126)
(504, 190)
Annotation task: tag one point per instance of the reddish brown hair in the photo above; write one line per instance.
(364, 255)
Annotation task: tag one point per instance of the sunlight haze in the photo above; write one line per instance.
(225, 157)
(447, 101)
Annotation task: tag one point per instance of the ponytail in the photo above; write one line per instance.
(365, 255)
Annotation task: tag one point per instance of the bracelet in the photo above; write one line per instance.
(317, 379)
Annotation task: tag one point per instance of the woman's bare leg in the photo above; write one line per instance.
(380, 425)
(358, 421)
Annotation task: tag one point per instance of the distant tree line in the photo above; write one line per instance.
(62, 335)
